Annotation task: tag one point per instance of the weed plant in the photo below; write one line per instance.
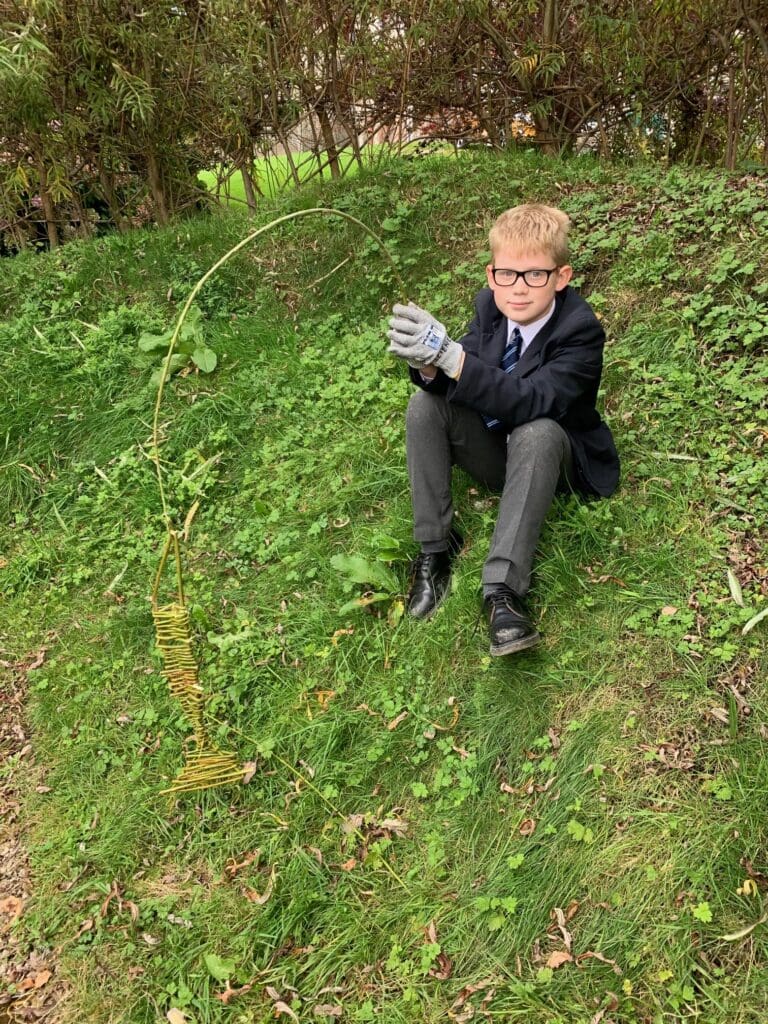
(562, 836)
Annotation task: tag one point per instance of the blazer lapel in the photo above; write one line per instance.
(530, 357)
(495, 343)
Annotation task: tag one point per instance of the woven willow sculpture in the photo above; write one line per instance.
(206, 766)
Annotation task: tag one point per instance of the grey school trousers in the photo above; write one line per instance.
(527, 466)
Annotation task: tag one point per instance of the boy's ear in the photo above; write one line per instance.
(489, 275)
(564, 275)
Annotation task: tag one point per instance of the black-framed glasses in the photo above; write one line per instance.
(533, 278)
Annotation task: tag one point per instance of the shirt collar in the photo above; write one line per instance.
(529, 331)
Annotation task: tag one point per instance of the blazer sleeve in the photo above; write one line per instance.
(568, 372)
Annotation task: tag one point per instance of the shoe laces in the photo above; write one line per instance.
(501, 601)
(420, 566)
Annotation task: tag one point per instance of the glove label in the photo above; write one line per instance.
(434, 337)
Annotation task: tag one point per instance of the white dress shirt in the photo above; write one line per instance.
(529, 331)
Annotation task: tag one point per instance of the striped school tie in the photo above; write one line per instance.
(508, 363)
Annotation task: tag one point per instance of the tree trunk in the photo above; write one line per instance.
(110, 198)
(731, 147)
(156, 187)
(86, 228)
(550, 23)
(351, 131)
(49, 207)
(248, 183)
(329, 140)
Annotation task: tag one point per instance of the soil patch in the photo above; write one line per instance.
(29, 987)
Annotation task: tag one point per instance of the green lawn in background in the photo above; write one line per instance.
(428, 834)
(273, 174)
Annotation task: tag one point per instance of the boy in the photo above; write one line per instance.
(512, 403)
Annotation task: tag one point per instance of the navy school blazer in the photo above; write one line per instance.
(557, 377)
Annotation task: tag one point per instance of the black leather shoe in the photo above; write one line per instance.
(510, 628)
(431, 575)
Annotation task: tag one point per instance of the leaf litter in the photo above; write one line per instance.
(29, 987)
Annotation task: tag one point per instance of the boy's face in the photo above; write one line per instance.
(522, 302)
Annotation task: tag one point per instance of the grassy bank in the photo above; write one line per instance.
(562, 836)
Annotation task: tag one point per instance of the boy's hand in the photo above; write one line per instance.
(417, 337)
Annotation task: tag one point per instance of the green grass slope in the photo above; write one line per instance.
(428, 835)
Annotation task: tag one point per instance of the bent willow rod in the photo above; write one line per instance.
(206, 766)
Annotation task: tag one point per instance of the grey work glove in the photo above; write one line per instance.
(421, 340)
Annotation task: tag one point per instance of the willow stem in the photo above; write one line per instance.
(322, 210)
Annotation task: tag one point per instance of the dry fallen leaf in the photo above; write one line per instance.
(452, 703)
(560, 918)
(233, 866)
(486, 1000)
(396, 721)
(281, 1007)
(590, 955)
(527, 827)
(11, 906)
(442, 969)
(558, 958)
(462, 1017)
(182, 922)
(349, 865)
(230, 993)
(668, 609)
(352, 823)
(175, 1016)
(394, 825)
(328, 1010)
(571, 909)
(364, 707)
(468, 991)
(38, 660)
(261, 898)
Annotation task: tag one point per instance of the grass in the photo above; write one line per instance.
(419, 811)
(273, 174)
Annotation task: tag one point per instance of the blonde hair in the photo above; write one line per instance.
(533, 226)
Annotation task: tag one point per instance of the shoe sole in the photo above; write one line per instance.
(516, 645)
